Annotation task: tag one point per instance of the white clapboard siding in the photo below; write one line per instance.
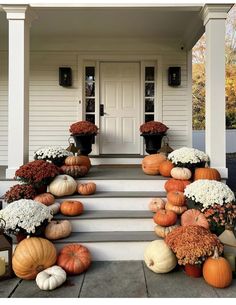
(52, 107)
(175, 102)
(3, 107)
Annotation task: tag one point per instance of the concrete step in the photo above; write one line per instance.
(116, 200)
(111, 245)
(110, 221)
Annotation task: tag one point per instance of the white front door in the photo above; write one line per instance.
(120, 95)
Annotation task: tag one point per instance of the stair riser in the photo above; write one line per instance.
(106, 161)
(113, 204)
(114, 251)
(130, 185)
(111, 225)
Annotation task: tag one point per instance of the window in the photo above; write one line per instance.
(90, 94)
(149, 93)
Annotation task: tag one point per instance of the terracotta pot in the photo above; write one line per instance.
(193, 270)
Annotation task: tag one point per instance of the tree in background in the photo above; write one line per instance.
(199, 76)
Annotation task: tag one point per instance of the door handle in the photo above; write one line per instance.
(102, 113)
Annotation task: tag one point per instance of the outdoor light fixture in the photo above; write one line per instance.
(65, 76)
(174, 76)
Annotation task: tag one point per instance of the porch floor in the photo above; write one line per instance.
(117, 279)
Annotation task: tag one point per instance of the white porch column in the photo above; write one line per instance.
(19, 19)
(214, 20)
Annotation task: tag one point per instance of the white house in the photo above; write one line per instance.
(119, 57)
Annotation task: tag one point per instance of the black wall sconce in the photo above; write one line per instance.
(65, 76)
(174, 76)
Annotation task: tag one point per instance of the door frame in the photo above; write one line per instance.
(93, 58)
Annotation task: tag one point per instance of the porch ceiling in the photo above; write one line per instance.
(181, 24)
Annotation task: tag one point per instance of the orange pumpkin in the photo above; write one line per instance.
(71, 208)
(165, 218)
(74, 258)
(207, 173)
(151, 163)
(87, 188)
(217, 271)
(176, 185)
(78, 160)
(74, 171)
(174, 208)
(45, 198)
(195, 218)
(164, 231)
(176, 198)
(31, 256)
(156, 204)
(165, 168)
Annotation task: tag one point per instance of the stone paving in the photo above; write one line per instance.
(116, 279)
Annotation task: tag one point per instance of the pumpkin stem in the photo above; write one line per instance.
(151, 263)
(216, 253)
(65, 178)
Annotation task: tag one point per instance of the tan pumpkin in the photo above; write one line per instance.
(156, 204)
(207, 173)
(63, 185)
(78, 160)
(176, 185)
(181, 173)
(165, 168)
(71, 207)
(87, 188)
(57, 229)
(195, 218)
(174, 208)
(164, 231)
(45, 198)
(165, 218)
(31, 256)
(74, 171)
(151, 163)
(176, 198)
(217, 271)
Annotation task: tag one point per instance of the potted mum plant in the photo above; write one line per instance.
(25, 217)
(38, 173)
(84, 133)
(20, 191)
(192, 246)
(56, 155)
(215, 200)
(153, 132)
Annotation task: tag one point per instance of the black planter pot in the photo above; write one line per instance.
(84, 143)
(153, 142)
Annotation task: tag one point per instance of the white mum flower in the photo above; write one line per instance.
(188, 155)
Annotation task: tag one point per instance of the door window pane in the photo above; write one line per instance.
(90, 118)
(90, 89)
(149, 105)
(149, 89)
(90, 73)
(90, 105)
(149, 74)
(149, 117)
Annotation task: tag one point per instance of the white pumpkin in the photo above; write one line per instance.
(181, 173)
(159, 257)
(63, 185)
(55, 208)
(51, 278)
(156, 204)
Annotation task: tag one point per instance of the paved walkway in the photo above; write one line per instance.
(120, 279)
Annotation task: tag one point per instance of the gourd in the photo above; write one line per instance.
(57, 229)
(78, 160)
(207, 173)
(63, 185)
(174, 208)
(176, 198)
(74, 171)
(176, 185)
(164, 231)
(165, 168)
(156, 204)
(151, 163)
(87, 188)
(159, 258)
(31, 256)
(165, 218)
(74, 258)
(217, 271)
(195, 218)
(51, 278)
(181, 173)
(45, 198)
(71, 208)
(55, 208)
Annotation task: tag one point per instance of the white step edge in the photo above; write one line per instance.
(114, 251)
(107, 161)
